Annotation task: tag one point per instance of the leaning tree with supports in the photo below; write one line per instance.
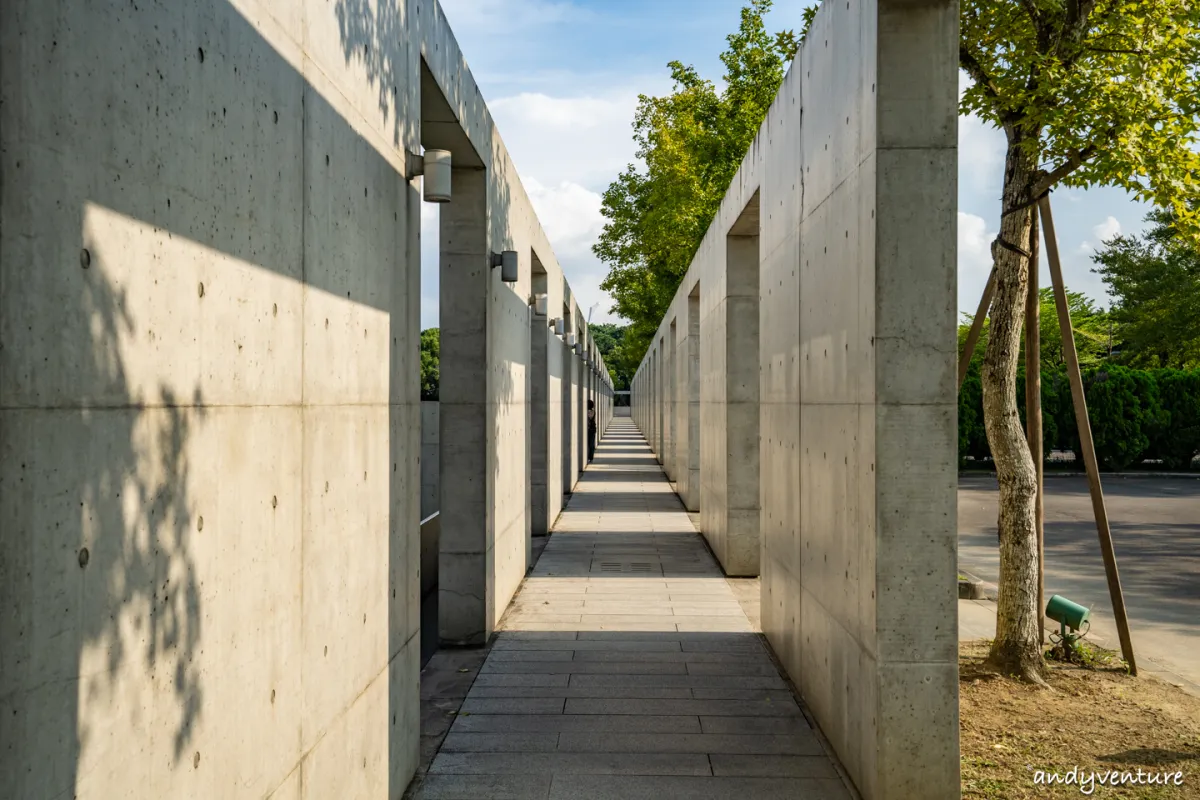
(1088, 93)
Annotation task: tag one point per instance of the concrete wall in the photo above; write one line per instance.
(855, 172)
(209, 414)
(430, 452)
(208, 403)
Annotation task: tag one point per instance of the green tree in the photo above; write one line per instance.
(611, 341)
(692, 142)
(1155, 284)
(1087, 92)
(606, 336)
(1089, 323)
(430, 355)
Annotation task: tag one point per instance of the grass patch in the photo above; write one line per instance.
(1095, 718)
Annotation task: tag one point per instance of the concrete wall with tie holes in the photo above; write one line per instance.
(209, 391)
(825, 297)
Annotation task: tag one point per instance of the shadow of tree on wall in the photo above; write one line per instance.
(374, 37)
(98, 579)
(110, 669)
(138, 515)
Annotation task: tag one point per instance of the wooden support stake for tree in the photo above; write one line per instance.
(1085, 436)
(1033, 411)
(985, 303)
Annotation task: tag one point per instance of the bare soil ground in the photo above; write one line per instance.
(1095, 720)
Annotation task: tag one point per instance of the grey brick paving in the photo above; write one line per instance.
(625, 667)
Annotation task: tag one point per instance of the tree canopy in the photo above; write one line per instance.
(1154, 281)
(430, 363)
(1089, 323)
(1096, 92)
(610, 341)
(692, 142)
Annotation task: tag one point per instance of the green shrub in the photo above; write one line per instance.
(1178, 441)
(1051, 412)
(1124, 411)
(972, 438)
(1135, 414)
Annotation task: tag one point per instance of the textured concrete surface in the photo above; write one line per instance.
(1156, 534)
(626, 667)
(210, 431)
(849, 188)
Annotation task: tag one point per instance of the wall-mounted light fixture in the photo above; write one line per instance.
(435, 166)
(540, 304)
(570, 340)
(508, 264)
(555, 323)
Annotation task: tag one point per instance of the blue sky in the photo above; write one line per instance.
(562, 80)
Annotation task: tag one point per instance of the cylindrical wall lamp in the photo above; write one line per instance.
(557, 325)
(508, 264)
(540, 304)
(570, 340)
(435, 166)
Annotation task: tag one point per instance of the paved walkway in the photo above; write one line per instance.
(625, 667)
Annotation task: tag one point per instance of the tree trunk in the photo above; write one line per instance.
(1016, 649)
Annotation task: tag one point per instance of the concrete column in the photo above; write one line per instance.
(580, 409)
(660, 404)
(539, 414)
(465, 596)
(673, 394)
(570, 442)
(691, 432)
(740, 554)
(554, 426)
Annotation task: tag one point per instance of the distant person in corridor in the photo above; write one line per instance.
(591, 430)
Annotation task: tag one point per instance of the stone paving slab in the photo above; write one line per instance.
(572, 763)
(710, 743)
(489, 787)
(810, 765)
(612, 787)
(492, 723)
(626, 667)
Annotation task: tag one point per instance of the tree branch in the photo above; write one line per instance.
(1115, 50)
(1069, 165)
(1079, 13)
(1035, 16)
(968, 62)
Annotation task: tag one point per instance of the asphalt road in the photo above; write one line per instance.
(1156, 535)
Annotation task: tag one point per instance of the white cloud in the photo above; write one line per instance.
(570, 215)
(567, 149)
(981, 155)
(981, 148)
(1100, 234)
(1107, 229)
(585, 139)
(974, 259)
(974, 244)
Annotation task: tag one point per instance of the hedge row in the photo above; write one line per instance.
(1135, 415)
